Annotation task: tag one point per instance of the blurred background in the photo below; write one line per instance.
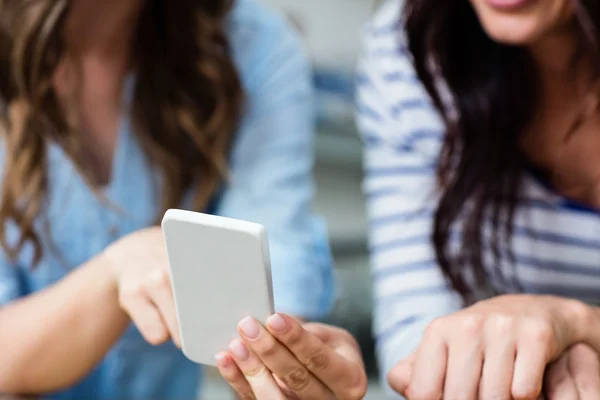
(331, 29)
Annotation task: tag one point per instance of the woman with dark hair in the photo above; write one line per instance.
(111, 112)
(482, 128)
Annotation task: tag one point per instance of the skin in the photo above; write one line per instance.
(574, 375)
(290, 360)
(513, 346)
(130, 278)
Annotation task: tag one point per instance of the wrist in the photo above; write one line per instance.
(100, 280)
(581, 318)
(108, 260)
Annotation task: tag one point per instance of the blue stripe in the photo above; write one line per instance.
(387, 171)
(376, 143)
(362, 79)
(538, 264)
(522, 261)
(366, 111)
(539, 204)
(400, 217)
(427, 291)
(389, 272)
(382, 192)
(384, 30)
(422, 134)
(393, 244)
(557, 238)
(406, 146)
(398, 52)
(410, 104)
(372, 139)
(519, 231)
(561, 206)
(397, 326)
(556, 266)
(399, 76)
(592, 294)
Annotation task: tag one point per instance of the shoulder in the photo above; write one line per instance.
(392, 102)
(262, 41)
(385, 28)
(385, 55)
(387, 15)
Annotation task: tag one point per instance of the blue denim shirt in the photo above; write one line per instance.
(271, 183)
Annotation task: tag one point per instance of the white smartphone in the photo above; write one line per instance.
(221, 273)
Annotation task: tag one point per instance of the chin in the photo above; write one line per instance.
(524, 25)
(516, 33)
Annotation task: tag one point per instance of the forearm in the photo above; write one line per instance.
(52, 339)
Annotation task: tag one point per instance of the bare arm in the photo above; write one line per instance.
(52, 339)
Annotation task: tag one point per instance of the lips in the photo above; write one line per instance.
(508, 4)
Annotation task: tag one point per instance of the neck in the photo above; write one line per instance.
(558, 62)
(104, 28)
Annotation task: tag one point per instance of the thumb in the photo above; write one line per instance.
(399, 377)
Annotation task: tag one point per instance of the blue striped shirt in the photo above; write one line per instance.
(556, 243)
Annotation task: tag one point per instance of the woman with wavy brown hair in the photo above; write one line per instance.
(111, 112)
(482, 128)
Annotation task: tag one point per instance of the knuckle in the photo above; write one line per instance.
(472, 324)
(358, 390)
(130, 293)
(501, 324)
(267, 348)
(158, 279)
(436, 327)
(132, 290)
(581, 350)
(256, 372)
(541, 332)
(297, 379)
(294, 337)
(317, 361)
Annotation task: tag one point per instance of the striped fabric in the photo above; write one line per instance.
(556, 243)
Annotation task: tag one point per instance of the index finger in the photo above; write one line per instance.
(341, 370)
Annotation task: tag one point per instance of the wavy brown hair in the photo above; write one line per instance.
(495, 92)
(186, 105)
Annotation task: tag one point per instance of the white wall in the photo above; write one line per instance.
(331, 27)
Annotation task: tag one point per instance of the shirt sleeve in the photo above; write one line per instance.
(12, 277)
(402, 135)
(272, 164)
(11, 282)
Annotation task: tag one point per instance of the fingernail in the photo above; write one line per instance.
(222, 360)
(239, 350)
(249, 328)
(277, 323)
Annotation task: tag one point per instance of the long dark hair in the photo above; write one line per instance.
(186, 105)
(494, 91)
